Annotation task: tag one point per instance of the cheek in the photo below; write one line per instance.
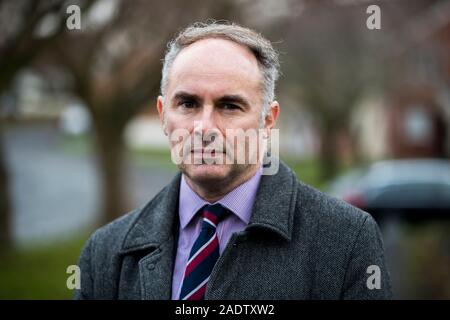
(244, 123)
(236, 134)
(179, 130)
(174, 122)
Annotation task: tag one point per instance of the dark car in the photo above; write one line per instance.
(413, 189)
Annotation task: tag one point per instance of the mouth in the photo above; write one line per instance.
(205, 152)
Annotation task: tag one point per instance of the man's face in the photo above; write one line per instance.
(214, 87)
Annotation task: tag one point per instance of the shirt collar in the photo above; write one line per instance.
(239, 200)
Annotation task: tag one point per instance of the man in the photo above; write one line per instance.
(223, 229)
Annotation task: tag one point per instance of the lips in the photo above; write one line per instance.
(206, 153)
(203, 150)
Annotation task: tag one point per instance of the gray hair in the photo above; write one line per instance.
(262, 49)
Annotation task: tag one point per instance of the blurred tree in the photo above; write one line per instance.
(5, 205)
(115, 64)
(26, 28)
(19, 43)
(327, 70)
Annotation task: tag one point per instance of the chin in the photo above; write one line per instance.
(206, 173)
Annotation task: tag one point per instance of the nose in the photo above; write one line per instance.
(205, 128)
(207, 120)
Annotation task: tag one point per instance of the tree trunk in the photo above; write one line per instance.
(110, 154)
(328, 152)
(5, 204)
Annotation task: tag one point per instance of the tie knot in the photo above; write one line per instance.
(213, 214)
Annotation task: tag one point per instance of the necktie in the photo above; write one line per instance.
(203, 255)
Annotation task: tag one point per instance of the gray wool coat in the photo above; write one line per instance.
(299, 244)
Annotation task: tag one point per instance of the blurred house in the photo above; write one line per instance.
(145, 132)
(412, 118)
(417, 125)
(74, 119)
(299, 136)
(406, 124)
(33, 97)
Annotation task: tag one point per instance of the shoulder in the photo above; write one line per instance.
(332, 219)
(330, 208)
(344, 242)
(112, 235)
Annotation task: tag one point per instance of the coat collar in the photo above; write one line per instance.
(155, 223)
(272, 211)
(274, 205)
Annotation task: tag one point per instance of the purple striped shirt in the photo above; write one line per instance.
(239, 201)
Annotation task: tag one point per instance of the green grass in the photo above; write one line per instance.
(76, 145)
(427, 259)
(307, 170)
(39, 272)
(151, 158)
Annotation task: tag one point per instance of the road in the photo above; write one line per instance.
(54, 193)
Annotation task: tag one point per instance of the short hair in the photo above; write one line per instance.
(261, 48)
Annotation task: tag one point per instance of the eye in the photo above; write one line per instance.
(230, 106)
(187, 104)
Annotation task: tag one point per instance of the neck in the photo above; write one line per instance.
(214, 191)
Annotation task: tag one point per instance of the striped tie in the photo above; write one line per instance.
(203, 255)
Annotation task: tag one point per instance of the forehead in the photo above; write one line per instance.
(213, 66)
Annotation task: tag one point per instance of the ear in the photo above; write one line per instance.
(272, 116)
(160, 108)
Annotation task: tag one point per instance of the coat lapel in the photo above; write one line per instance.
(274, 205)
(272, 214)
(154, 232)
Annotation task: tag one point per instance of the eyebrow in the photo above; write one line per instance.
(229, 98)
(183, 95)
(234, 98)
